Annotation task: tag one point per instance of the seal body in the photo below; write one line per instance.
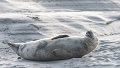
(56, 49)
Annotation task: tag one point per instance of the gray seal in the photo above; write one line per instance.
(57, 48)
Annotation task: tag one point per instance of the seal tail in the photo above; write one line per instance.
(14, 46)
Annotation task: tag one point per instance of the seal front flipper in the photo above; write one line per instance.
(59, 36)
(61, 53)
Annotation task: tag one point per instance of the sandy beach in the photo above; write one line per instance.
(29, 20)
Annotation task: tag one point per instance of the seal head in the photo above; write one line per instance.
(89, 34)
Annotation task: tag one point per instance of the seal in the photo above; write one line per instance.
(57, 48)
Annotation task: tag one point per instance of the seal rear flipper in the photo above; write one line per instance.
(59, 36)
(60, 53)
(14, 46)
